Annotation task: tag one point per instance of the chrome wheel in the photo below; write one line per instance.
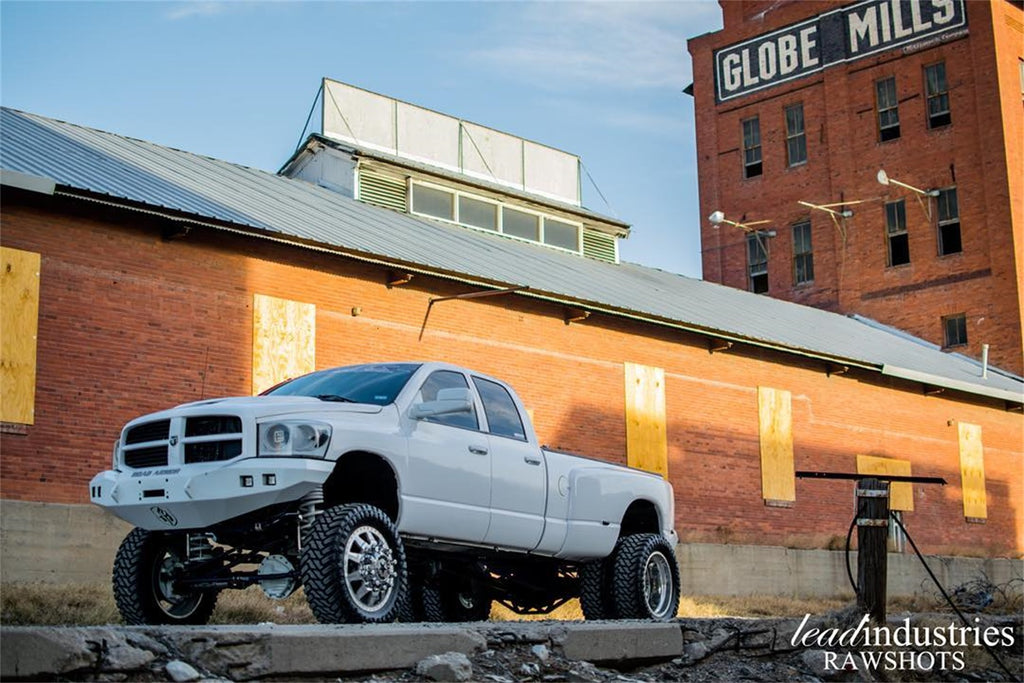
(370, 568)
(645, 578)
(658, 589)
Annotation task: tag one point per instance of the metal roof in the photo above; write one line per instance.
(95, 164)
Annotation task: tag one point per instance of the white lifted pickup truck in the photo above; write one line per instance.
(412, 491)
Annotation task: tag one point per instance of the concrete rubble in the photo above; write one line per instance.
(498, 652)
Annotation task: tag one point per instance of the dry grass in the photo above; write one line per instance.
(43, 604)
(93, 604)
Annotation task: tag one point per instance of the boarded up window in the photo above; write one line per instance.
(646, 435)
(901, 493)
(775, 416)
(972, 472)
(283, 340)
(19, 324)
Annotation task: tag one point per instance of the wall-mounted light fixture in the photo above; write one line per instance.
(717, 218)
(396, 279)
(838, 217)
(574, 315)
(922, 195)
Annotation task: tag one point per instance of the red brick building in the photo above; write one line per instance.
(137, 277)
(800, 105)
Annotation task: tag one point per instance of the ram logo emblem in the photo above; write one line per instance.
(174, 440)
(164, 516)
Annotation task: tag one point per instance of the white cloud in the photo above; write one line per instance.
(625, 45)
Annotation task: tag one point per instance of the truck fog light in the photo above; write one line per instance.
(246, 481)
(270, 480)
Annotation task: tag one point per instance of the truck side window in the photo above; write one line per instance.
(502, 415)
(446, 379)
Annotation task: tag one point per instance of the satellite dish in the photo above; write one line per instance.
(883, 177)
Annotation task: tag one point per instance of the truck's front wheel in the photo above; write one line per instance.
(645, 578)
(353, 566)
(147, 567)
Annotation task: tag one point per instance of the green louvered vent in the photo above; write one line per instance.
(382, 190)
(599, 246)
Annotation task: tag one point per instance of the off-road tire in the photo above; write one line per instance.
(596, 598)
(454, 599)
(411, 609)
(645, 578)
(341, 583)
(142, 582)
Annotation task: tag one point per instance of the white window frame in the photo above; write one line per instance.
(499, 208)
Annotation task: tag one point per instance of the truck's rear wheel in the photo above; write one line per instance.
(596, 598)
(455, 598)
(353, 566)
(147, 567)
(645, 579)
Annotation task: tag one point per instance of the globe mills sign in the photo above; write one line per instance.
(838, 36)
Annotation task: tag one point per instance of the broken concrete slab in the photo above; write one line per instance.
(616, 641)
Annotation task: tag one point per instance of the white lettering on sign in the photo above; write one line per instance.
(894, 20)
(834, 37)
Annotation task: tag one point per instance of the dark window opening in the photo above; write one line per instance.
(751, 147)
(949, 222)
(803, 254)
(896, 230)
(937, 95)
(757, 265)
(888, 109)
(796, 137)
(954, 330)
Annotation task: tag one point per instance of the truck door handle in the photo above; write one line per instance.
(477, 450)
(531, 460)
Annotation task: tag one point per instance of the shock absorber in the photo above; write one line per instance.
(200, 547)
(309, 508)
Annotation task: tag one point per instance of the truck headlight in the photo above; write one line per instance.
(113, 456)
(295, 438)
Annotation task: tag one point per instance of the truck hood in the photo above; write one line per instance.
(261, 406)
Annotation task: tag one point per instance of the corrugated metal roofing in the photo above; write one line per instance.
(250, 200)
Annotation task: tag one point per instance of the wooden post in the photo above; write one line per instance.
(872, 546)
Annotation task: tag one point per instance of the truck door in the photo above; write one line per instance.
(448, 486)
(518, 473)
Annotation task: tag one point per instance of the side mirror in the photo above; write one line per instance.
(448, 402)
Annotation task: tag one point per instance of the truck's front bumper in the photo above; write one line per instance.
(193, 497)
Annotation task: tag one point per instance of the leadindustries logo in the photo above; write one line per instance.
(905, 647)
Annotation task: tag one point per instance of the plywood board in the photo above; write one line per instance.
(646, 432)
(19, 325)
(901, 493)
(283, 340)
(775, 418)
(972, 471)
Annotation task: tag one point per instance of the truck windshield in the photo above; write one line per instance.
(376, 384)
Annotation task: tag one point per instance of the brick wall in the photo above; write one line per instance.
(979, 153)
(130, 323)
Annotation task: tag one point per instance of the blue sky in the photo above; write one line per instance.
(236, 80)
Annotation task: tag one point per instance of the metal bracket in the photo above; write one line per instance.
(872, 522)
